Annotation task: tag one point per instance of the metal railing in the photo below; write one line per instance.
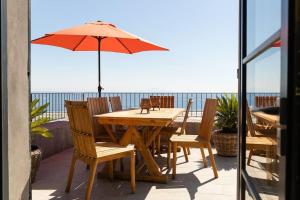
(56, 109)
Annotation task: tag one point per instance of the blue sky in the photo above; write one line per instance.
(202, 36)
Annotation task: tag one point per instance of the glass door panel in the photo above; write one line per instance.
(263, 19)
(263, 99)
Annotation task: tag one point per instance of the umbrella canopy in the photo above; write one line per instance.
(98, 36)
(277, 43)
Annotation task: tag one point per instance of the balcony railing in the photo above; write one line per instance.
(56, 109)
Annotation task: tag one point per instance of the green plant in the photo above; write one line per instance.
(37, 121)
(227, 114)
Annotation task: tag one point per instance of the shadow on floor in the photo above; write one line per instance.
(52, 176)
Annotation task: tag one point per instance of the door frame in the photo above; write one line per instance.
(289, 35)
(3, 101)
(290, 97)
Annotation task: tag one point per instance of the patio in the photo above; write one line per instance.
(193, 181)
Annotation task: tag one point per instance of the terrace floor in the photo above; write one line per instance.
(193, 181)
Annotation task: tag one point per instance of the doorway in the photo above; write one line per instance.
(269, 99)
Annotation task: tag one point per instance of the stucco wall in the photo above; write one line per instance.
(17, 96)
(61, 140)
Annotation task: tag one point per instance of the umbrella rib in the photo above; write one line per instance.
(124, 45)
(79, 43)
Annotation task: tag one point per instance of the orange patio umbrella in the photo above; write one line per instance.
(277, 43)
(98, 36)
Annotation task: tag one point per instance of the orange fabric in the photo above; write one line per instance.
(84, 38)
(277, 43)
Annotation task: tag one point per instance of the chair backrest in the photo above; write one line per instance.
(115, 103)
(186, 115)
(265, 101)
(97, 106)
(155, 101)
(208, 118)
(165, 101)
(81, 128)
(250, 126)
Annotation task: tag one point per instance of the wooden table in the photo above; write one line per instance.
(274, 121)
(133, 119)
(267, 118)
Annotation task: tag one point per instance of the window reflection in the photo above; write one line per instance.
(263, 89)
(264, 19)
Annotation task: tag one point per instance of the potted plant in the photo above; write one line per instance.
(36, 128)
(225, 138)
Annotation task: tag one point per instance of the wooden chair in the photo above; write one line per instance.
(262, 102)
(265, 101)
(115, 103)
(175, 129)
(167, 101)
(164, 102)
(202, 140)
(155, 101)
(258, 141)
(97, 106)
(89, 152)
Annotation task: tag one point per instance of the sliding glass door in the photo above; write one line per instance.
(269, 99)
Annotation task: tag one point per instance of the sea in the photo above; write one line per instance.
(132, 99)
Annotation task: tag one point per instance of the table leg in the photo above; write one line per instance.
(132, 136)
(110, 133)
(152, 166)
(269, 163)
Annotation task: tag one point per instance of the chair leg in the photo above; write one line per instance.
(203, 156)
(132, 171)
(158, 144)
(212, 160)
(174, 159)
(169, 154)
(188, 150)
(269, 163)
(121, 164)
(249, 156)
(111, 169)
(185, 154)
(71, 173)
(93, 167)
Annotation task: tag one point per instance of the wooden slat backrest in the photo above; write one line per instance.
(97, 106)
(250, 126)
(208, 118)
(165, 101)
(155, 101)
(115, 103)
(81, 128)
(186, 115)
(265, 101)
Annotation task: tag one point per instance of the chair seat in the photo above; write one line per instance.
(260, 141)
(104, 149)
(186, 138)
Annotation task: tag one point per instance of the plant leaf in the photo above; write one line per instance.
(42, 131)
(36, 123)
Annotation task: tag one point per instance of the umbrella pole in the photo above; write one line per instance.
(99, 68)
